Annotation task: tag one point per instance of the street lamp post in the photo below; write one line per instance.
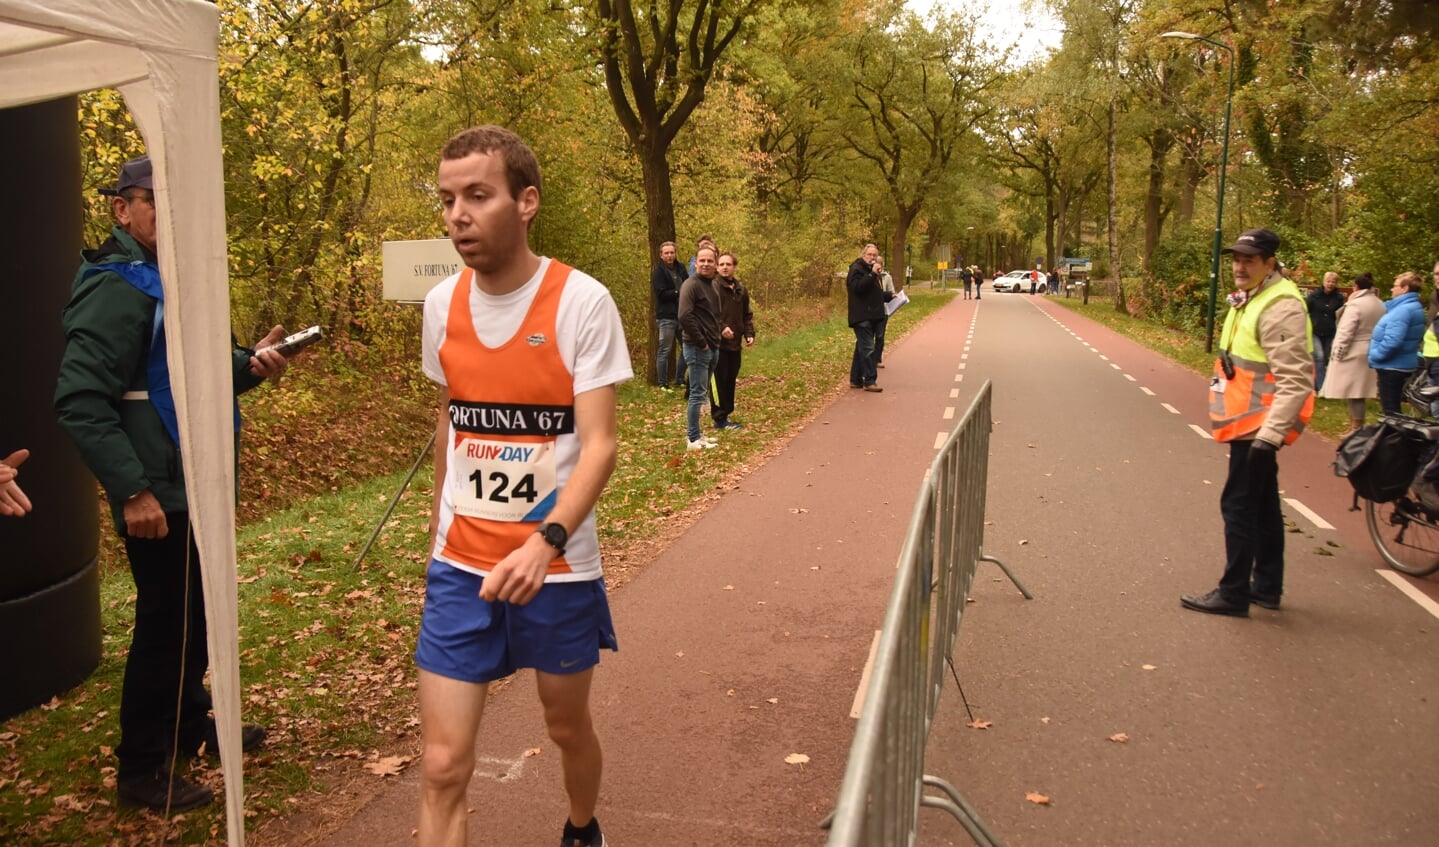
(1223, 171)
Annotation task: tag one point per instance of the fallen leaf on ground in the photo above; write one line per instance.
(680, 655)
(979, 724)
(1148, 667)
(796, 759)
(1119, 737)
(1044, 720)
(388, 766)
(1036, 798)
(532, 752)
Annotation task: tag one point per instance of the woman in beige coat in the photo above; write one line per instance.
(1349, 376)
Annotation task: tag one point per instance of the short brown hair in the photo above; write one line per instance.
(1410, 280)
(522, 169)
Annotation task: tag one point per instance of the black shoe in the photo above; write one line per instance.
(156, 792)
(1215, 604)
(575, 836)
(252, 738)
(1267, 601)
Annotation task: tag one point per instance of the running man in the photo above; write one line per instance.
(528, 353)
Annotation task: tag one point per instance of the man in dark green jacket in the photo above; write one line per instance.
(113, 400)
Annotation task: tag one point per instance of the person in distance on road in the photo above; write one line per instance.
(1260, 398)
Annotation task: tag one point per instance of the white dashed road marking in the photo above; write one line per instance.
(1202, 432)
(1308, 513)
(1130, 378)
(1146, 391)
(1170, 409)
(949, 413)
(939, 438)
(1411, 592)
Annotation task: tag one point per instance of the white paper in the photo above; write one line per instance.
(893, 305)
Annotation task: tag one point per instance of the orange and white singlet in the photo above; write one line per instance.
(512, 442)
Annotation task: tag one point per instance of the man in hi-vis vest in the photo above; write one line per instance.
(1260, 398)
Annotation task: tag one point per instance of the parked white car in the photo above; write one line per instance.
(1012, 281)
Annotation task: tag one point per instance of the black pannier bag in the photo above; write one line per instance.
(1380, 460)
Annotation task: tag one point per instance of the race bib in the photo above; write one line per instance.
(502, 480)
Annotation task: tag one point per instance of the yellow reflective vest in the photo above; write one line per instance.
(1239, 401)
(1430, 350)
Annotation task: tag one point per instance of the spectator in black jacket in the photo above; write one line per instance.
(700, 336)
(666, 280)
(1324, 304)
(866, 310)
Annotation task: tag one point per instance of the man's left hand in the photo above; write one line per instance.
(269, 364)
(1263, 455)
(519, 576)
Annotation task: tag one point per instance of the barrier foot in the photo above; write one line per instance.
(960, 810)
(1012, 578)
(396, 500)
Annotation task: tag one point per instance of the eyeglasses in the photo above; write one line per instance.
(145, 196)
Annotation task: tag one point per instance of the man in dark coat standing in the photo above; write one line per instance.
(866, 310)
(1324, 304)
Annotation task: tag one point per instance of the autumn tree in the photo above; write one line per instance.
(916, 93)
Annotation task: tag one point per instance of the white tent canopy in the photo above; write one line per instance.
(161, 55)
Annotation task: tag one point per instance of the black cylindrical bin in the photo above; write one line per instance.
(49, 585)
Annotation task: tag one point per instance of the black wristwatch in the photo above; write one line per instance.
(554, 535)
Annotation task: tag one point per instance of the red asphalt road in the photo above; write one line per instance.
(745, 641)
(1143, 723)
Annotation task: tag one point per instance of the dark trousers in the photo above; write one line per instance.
(862, 367)
(168, 654)
(1253, 528)
(879, 327)
(1391, 389)
(726, 374)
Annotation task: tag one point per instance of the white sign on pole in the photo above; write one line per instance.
(412, 268)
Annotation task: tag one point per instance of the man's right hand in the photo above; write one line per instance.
(144, 518)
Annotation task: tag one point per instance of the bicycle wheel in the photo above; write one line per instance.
(1405, 537)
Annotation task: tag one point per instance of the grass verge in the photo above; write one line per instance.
(326, 643)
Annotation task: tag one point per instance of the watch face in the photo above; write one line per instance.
(555, 535)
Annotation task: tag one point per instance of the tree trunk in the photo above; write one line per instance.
(895, 263)
(660, 220)
(1113, 221)
(1154, 198)
(1188, 185)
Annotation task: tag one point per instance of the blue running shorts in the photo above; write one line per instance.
(560, 631)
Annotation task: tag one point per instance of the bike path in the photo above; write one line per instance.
(742, 644)
(1140, 722)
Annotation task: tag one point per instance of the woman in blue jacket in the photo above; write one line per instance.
(1394, 349)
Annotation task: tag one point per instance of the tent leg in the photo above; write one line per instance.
(395, 501)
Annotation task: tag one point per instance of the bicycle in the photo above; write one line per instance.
(1406, 530)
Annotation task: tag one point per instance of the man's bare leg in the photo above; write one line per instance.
(450, 713)
(566, 700)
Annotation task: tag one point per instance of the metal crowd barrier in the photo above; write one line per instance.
(884, 781)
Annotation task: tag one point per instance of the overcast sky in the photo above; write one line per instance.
(1008, 22)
